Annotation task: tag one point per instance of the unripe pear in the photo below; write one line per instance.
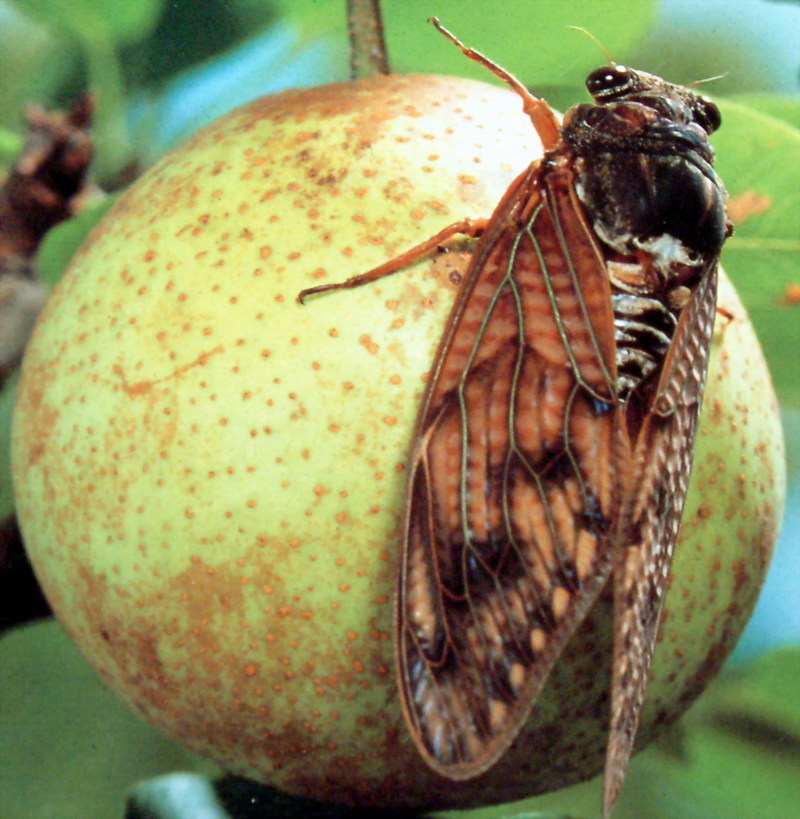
(210, 476)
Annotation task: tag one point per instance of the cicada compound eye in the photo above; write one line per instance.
(609, 82)
(707, 115)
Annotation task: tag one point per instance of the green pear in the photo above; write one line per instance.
(209, 476)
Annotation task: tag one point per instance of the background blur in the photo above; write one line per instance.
(162, 68)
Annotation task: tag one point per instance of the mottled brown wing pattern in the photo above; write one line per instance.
(662, 459)
(511, 496)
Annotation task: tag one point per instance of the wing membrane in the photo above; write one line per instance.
(511, 494)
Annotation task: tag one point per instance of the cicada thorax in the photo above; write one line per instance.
(644, 173)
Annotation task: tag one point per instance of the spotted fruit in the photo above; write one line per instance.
(210, 476)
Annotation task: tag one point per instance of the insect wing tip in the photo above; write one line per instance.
(611, 789)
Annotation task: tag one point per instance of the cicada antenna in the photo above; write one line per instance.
(708, 79)
(596, 41)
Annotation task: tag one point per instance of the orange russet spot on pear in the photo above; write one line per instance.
(366, 341)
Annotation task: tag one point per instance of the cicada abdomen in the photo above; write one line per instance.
(554, 442)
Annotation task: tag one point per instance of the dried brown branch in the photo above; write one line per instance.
(367, 46)
(21, 599)
(45, 183)
(43, 187)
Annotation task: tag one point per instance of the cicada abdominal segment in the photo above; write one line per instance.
(554, 441)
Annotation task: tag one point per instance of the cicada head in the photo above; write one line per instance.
(644, 170)
(615, 83)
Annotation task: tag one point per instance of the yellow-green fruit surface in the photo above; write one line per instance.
(209, 475)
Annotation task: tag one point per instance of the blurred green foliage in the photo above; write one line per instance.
(763, 256)
(69, 749)
(159, 69)
(63, 240)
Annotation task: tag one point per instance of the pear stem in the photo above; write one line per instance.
(368, 57)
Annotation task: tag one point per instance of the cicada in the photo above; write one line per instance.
(554, 442)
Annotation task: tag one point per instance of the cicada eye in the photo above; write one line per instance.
(609, 82)
(707, 114)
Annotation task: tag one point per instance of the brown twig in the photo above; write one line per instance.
(42, 188)
(44, 185)
(21, 599)
(368, 55)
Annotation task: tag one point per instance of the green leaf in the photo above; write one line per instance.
(741, 749)
(62, 241)
(779, 106)
(32, 62)
(69, 748)
(756, 159)
(10, 145)
(506, 812)
(761, 695)
(123, 20)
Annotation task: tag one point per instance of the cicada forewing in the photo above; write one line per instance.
(512, 493)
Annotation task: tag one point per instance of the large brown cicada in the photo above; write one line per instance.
(554, 443)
